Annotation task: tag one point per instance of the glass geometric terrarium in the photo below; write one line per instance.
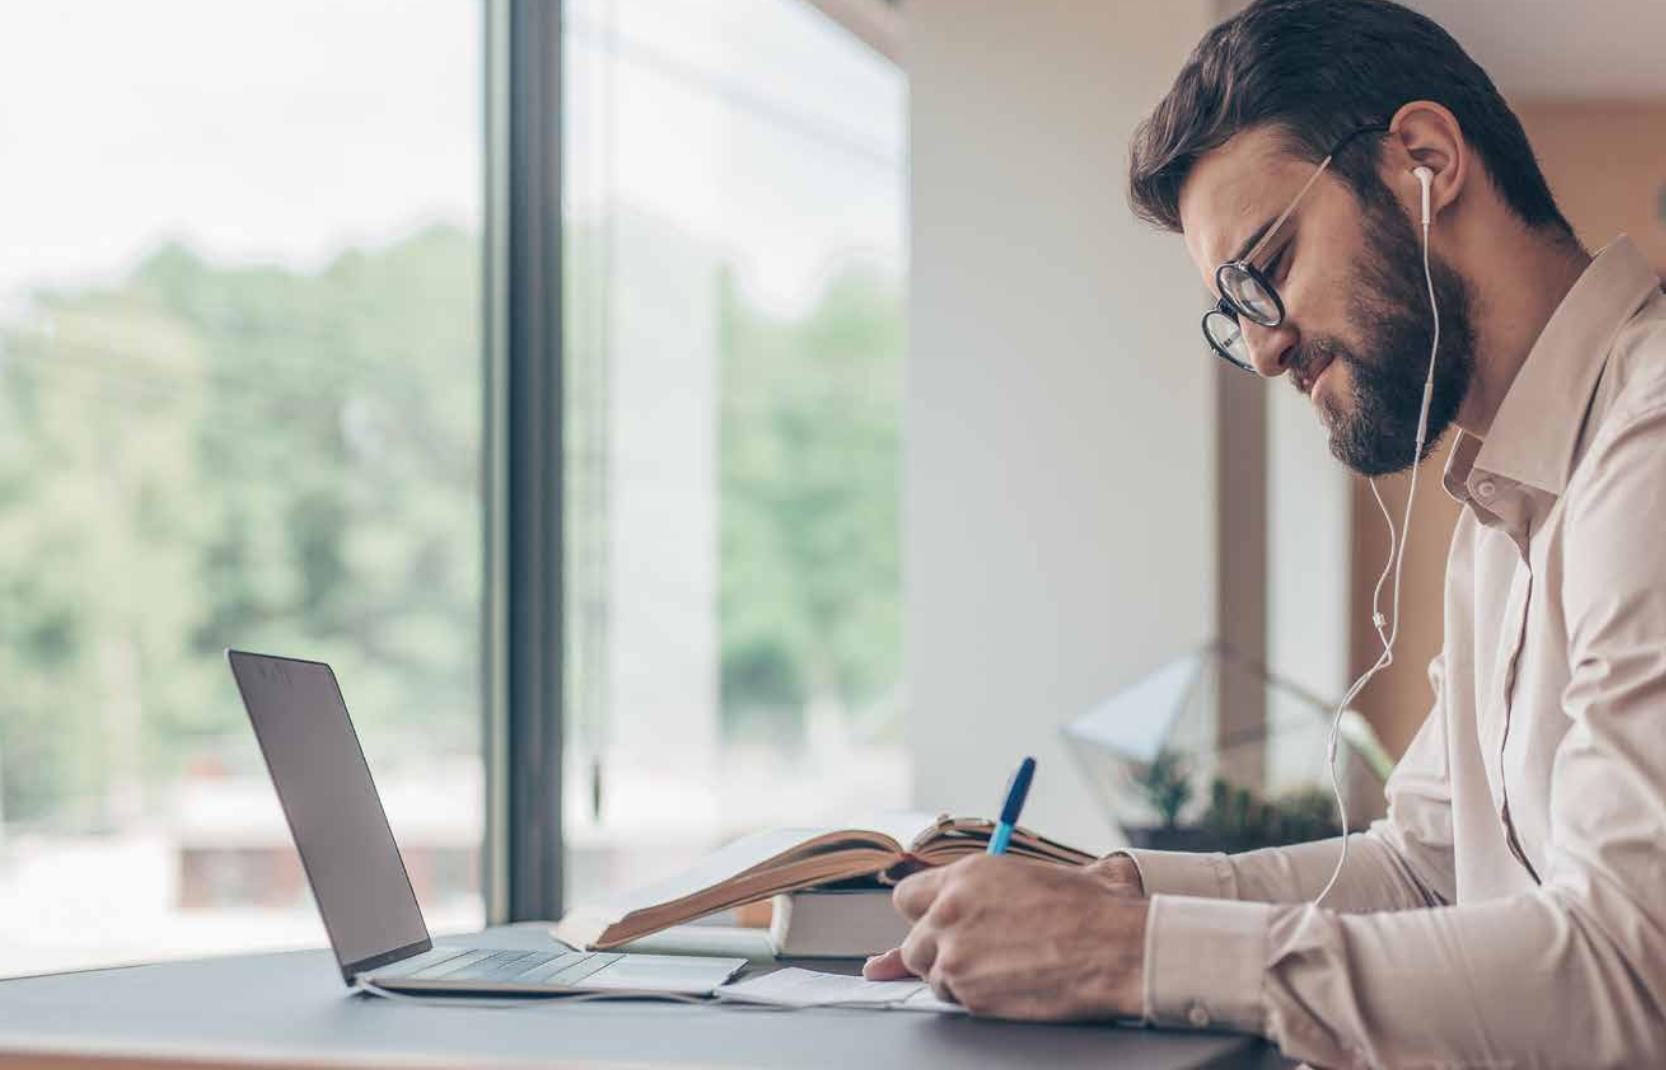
(1213, 751)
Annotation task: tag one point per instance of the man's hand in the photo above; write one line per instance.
(1015, 939)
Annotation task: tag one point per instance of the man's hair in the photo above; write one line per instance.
(1316, 70)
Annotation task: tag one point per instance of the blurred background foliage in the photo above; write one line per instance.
(198, 456)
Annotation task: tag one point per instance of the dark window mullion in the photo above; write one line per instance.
(523, 638)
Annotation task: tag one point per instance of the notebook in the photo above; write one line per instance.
(794, 987)
(884, 849)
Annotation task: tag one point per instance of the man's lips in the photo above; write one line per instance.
(1311, 377)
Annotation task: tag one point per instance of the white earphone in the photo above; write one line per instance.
(1396, 549)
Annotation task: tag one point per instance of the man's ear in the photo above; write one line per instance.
(1426, 134)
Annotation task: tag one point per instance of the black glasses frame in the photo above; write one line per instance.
(1225, 306)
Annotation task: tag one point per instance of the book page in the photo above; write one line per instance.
(763, 850)
(909, 828)
(793, 987)
(965, 835)
(722, 865)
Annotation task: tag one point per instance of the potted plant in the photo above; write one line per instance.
(1235, 819)
(1166, 785)
(1238, 820)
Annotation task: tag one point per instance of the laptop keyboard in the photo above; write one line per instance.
(477, 965)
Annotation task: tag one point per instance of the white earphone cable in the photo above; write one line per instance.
(1396, 562)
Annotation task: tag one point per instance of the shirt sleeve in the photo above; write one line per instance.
(1571, 973)
(1402, 862)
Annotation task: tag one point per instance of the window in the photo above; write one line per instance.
(734, 215)
(240, 375)
(240, 405)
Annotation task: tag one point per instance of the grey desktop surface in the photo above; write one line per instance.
(292, 1005)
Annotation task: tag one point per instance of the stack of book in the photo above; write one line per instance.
(862, 862)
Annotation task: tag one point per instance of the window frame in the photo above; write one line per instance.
(523, 646)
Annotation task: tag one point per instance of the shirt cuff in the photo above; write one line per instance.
(1205, 962)
(1205, 875)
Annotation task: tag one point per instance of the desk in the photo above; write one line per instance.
(291, 1010)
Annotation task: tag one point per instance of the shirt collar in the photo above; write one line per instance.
(1535, 434)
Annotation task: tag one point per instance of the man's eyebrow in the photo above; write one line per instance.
(1249, 242)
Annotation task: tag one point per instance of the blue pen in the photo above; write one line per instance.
(1017, 790)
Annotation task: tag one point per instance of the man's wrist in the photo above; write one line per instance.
(1127, 995)
(1122, 873)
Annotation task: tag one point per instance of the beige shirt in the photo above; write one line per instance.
(1511, 909)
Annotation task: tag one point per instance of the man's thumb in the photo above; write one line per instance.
(886, 967)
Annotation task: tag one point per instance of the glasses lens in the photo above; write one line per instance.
(1254, 298)
(1227, 338)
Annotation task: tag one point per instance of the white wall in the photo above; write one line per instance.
(1059, 528)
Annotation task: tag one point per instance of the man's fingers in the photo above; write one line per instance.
(915, 893)
(886, 967)
(919, 951)
(940, 988)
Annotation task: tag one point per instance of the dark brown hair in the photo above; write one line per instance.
(1317, 70)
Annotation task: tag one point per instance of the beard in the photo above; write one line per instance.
(1375, 431)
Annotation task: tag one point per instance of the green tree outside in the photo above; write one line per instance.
(201, 456)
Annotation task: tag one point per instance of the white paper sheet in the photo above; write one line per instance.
(793, 987)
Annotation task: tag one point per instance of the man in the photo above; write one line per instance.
(1511, 909)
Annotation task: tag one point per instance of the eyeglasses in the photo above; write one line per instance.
(1245, 289)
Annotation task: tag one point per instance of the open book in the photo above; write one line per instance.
(783, 860)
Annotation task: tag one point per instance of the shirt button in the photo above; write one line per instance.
(1486, 488)
(1198, 1015)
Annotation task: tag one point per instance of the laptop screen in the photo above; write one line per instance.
(334, 813)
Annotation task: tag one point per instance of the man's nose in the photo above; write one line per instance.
(1270, 347)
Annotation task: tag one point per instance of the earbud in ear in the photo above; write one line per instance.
(1424, 177)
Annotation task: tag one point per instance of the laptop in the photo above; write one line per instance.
(358, 877)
